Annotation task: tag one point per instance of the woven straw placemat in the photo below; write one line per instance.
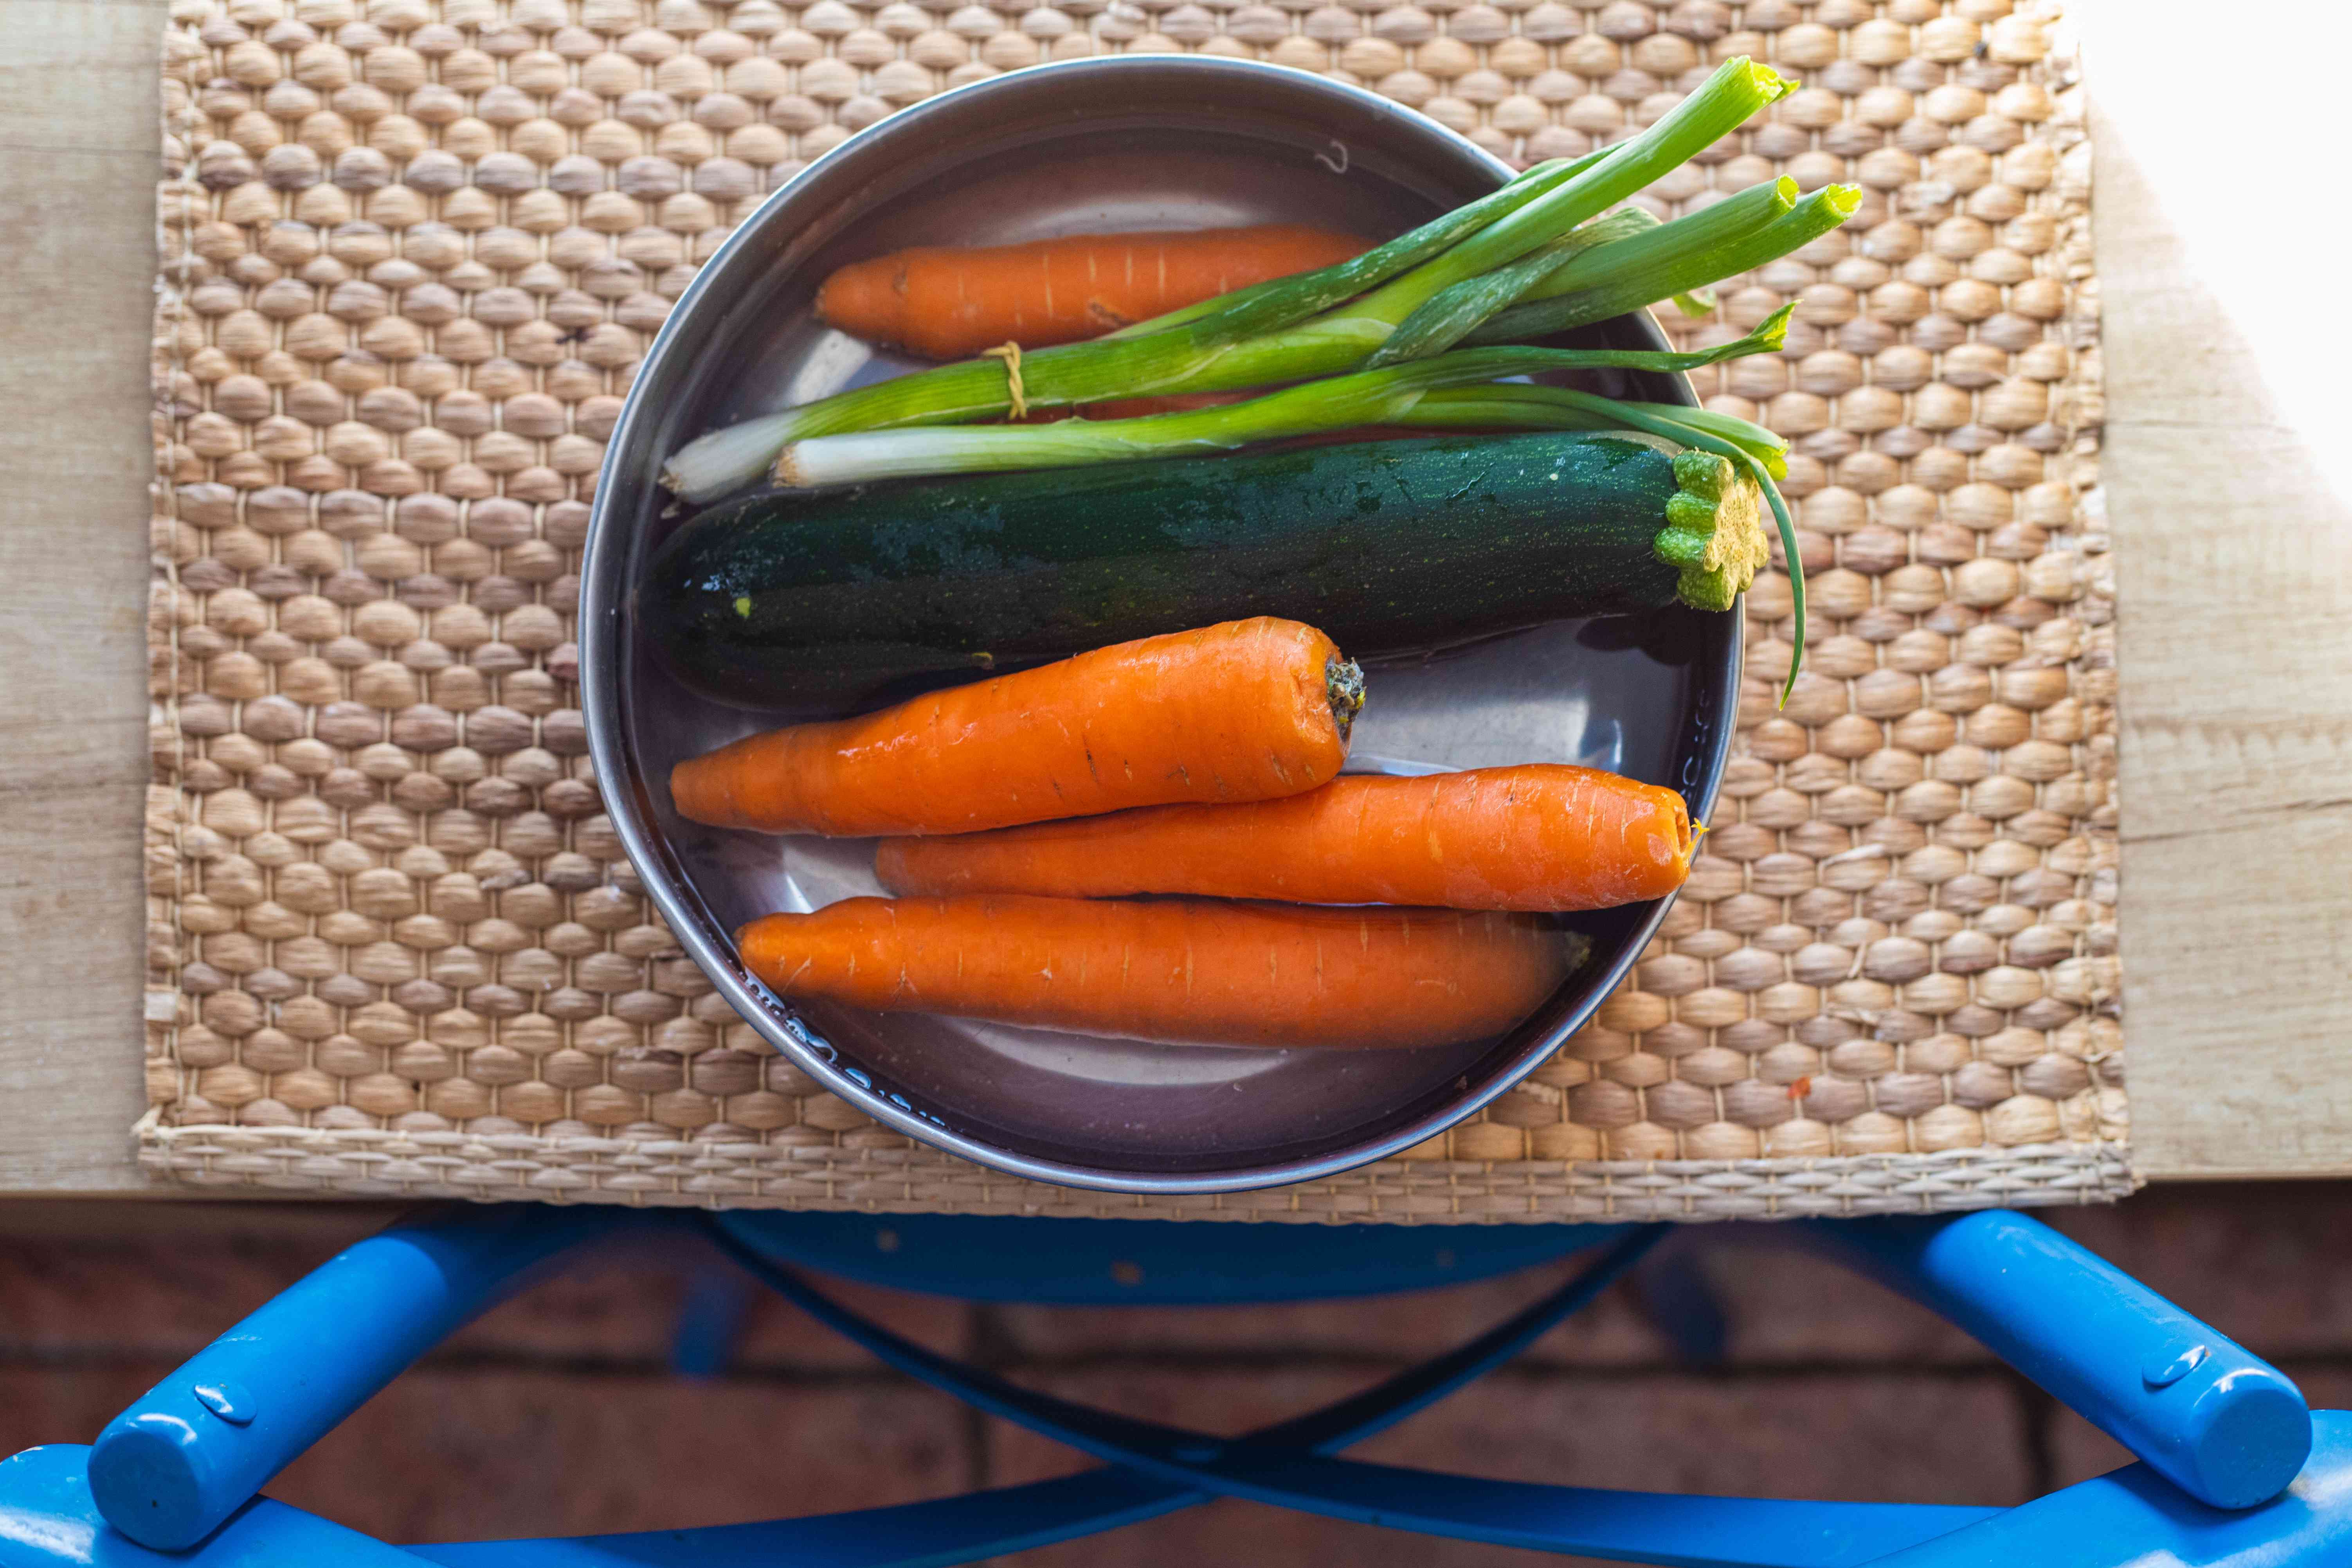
(412, 253)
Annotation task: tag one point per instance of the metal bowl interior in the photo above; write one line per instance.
(1097, 145)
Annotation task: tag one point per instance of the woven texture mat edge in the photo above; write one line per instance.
(412, 254)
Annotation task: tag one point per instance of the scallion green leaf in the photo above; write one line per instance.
(1337, 403)
(1619, 291)
(1449, 316)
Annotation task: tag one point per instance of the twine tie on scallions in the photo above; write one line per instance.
(1016, 406)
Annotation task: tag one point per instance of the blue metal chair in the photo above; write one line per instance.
(2233, 1468)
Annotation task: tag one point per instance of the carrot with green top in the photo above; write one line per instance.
(1175, 970)
(1243, 710)
(1538, 836)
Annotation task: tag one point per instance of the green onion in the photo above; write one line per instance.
(1166, 353)
(1693, 302)
(1766, 447)
(1518, 406)
(1307, 294)
(973, 390)
(1667, 251)
(1094, 371)
(1449, 315)
(1788, 528)
(1720, 105)
(1642, 275)
(1339, 403)
(1315, 324)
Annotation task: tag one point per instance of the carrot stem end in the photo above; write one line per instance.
(1343, 686)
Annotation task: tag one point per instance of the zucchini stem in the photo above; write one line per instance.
(1714, 532)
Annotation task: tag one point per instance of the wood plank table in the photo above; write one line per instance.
(2224, 362)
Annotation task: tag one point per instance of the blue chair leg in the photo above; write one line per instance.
(1679, 1302)
(47, 1520)
(1123, 1440)
(2135, 1517)
(48, 1516)
(2131, 1518)
(709, 1320)
(2220, 1423)
(194, 1448)
(1285, 1464)
(2212, 1422)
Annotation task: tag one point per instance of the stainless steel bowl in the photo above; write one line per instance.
(1149, 141)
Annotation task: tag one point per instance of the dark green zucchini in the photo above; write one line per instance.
(827, 600)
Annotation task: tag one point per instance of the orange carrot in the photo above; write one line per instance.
(952, 303)
(1179, 970)
(1243, 710)
(1537, 837)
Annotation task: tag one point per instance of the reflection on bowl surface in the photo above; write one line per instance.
(1100, 146)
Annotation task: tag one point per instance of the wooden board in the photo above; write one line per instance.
(78, 156)
(2233, 537)
(2236, 630)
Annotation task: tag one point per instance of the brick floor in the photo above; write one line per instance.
(69, 1402)
(2270, 1265)
(478, 1452)
(1612, 1333)
(627, 1308)
(557, 1412)
(121, 1282)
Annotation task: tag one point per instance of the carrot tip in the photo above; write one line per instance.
(1343, 684)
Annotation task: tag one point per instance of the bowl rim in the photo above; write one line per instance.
(599, 618)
